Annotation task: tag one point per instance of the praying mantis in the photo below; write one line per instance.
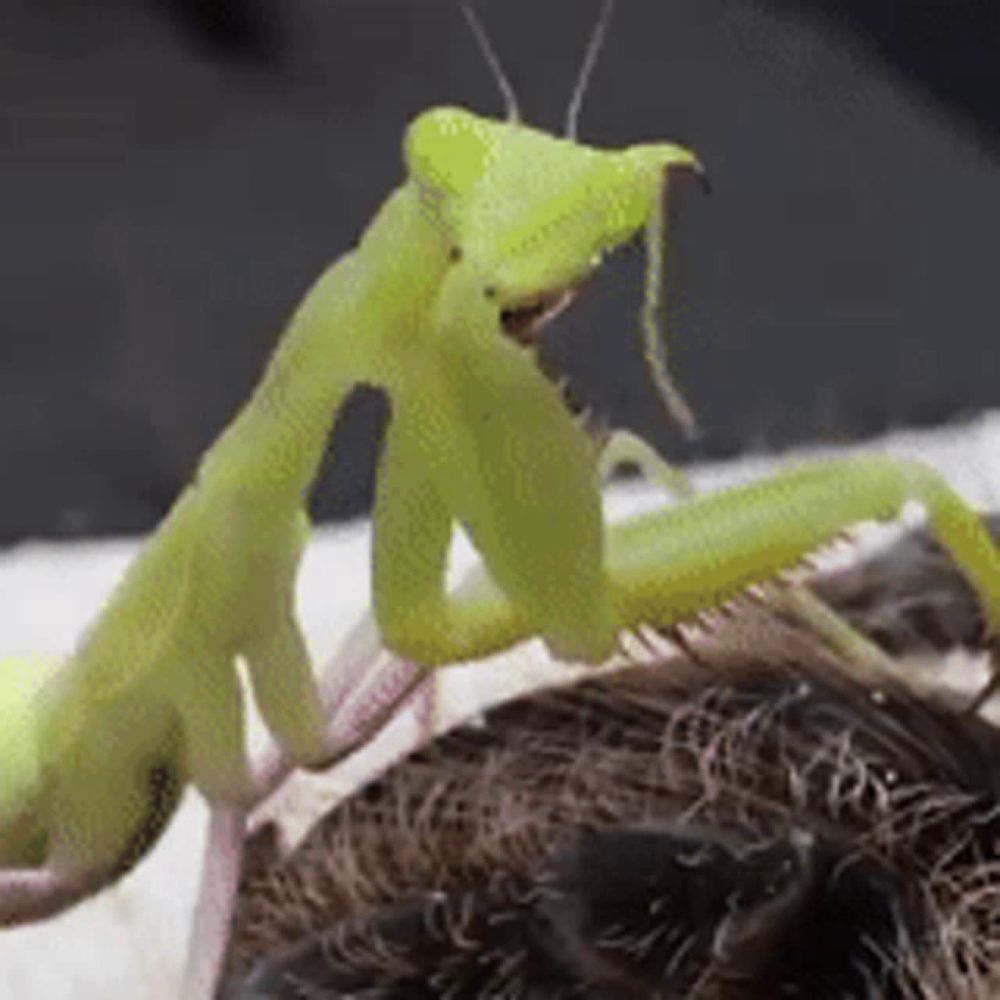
(440, 305)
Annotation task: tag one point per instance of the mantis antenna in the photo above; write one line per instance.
(587, 69)
(493, 61)
(653, 348)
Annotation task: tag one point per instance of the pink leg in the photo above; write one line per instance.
(361, 699)
(214, 910)
(36, 893)
(363, 687)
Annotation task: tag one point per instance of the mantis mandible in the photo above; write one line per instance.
(440, 305)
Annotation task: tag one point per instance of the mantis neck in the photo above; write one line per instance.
(359, 312)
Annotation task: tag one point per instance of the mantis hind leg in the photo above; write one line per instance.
(100, 807)
(859, 655)
(668, 566)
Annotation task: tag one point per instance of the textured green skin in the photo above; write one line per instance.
(491, 215)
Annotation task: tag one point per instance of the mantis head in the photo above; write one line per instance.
(534, 215)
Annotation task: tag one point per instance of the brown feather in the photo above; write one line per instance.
(745, 822)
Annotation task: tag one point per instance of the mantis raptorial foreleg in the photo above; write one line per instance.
(667, 566)
(790, 597)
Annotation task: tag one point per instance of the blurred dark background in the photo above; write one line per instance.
(175, 173)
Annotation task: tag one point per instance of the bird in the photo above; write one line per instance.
(743, 820)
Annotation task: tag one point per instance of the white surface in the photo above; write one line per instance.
(129, 942)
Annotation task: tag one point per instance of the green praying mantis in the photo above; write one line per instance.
(440, 305)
